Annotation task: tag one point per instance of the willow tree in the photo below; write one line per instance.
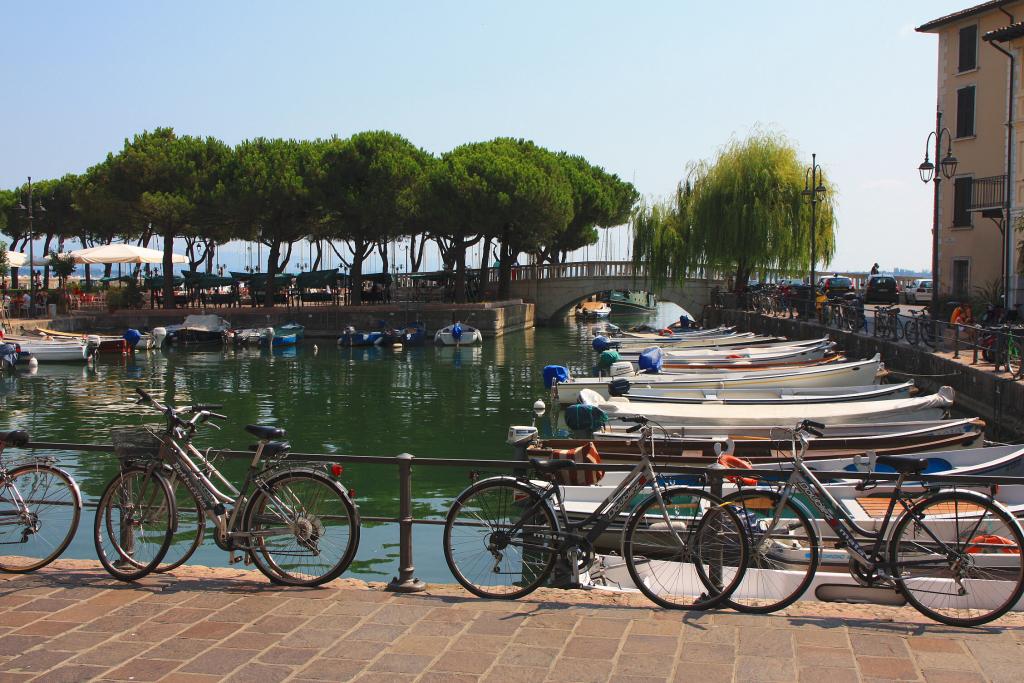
(744, 213)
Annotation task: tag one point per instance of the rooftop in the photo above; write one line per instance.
(1005, 33)
(930, 26)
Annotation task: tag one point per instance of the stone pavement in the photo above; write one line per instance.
(70, 622)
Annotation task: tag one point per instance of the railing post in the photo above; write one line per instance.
(956, 341)
(405, 582)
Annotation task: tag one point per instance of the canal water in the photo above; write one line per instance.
(431, 402)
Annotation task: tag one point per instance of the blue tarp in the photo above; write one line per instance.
(555, 373)
(651, 360)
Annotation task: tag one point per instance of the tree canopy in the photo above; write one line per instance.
(744, 213)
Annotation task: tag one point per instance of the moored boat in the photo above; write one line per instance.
(592, 310)
(772, 396)
(288, 334)
(413, 334)
(107, 343)
(198, 329)
(353, 337)
(458, 334)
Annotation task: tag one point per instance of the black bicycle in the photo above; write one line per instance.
(682, 547)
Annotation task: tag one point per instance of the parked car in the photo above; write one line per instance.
(919, 291)
(836, 286)
(882, 289)
(787, 285)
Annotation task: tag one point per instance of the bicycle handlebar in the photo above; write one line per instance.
(202, 411)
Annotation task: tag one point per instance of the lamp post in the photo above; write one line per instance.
(928, 174)
(814, 188)
(30, 212)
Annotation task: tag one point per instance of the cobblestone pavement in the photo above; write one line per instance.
(70, 622)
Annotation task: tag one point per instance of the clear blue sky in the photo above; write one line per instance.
(640, 88)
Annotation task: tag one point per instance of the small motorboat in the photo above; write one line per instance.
(54, 351)
(772, 396)
(593, 310)
(413, 334)
(458, 334)
(198, 329)
(250, 336)
(108, 343)
(353, 337)
(288, 334)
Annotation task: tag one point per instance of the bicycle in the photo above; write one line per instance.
(954, 554)
(682, 547)
(298, 525)
(920, 328)
(887, 322)
(40, 506)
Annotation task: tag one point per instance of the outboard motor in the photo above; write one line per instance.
(607, 359)
(132, 336)
(587, 418)
(159, 335)
(8, 355)
(651, 360)
(618, 387)
(457, 332)
(601, 343)
(555, 374)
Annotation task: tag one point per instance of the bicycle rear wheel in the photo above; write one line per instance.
(135, 523)
(912, 331)
(1013, 356)
(688, 554)
(500, 539)
(782, 560)
(303, 528)
(40, 506)
(191, 528)
(956, 556)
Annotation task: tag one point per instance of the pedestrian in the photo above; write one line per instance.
(874, 269)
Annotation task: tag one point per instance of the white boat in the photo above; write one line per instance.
(772, 396)
(593, 310)
(850, 374)
(834, 432)
(198, 329)
(706, 342)
(748, 356)
(930, 407)
(58, 351)
(458, 334)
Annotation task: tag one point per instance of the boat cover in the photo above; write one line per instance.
(555, 373)
(651, 360)
(204, 323)
(585, 417)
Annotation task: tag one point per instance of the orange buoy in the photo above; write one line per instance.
(990, 540)
(734, 463)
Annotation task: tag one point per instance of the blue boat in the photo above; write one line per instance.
(413, 334)
(288, 334)
(353, 337)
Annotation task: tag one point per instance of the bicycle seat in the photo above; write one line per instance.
(265, 433)
(904, 464)
(18, 437)
(548, 466)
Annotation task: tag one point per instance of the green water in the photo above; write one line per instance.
(431, 402)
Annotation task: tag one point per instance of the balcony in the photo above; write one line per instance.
(987, 194)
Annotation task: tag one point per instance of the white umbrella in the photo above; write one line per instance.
(122, 253)
(16, 259)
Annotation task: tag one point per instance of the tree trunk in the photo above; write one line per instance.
(270, 291)
(416, 254)
(460, 271)
(382, 250)
(168, 268)
(485, 262)
(505, 271)
(46, 268)
(319, 256)
(356, 273)
(211, 253)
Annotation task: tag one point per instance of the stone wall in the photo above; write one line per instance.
(998, 399)
(492, 319)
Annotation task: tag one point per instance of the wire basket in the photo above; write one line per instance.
(135, 445)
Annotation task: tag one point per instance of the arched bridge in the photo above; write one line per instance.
(554, 289)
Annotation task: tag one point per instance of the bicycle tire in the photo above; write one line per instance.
(661, 570)
(967, 543)
(774, 584)
(911, 332)
(926, 328)
(190, 531)
(508, 500)
(1013, 356)
(58, 545)
(308, 527)
(125, 566)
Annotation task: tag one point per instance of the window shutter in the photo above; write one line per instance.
(968, 48)
(962, 202)
(965, 112)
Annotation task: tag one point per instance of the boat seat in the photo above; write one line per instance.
(549, 466)
(265, 432)
(904, 464)
(17, 437)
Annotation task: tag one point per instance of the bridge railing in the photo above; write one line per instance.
(580, 270)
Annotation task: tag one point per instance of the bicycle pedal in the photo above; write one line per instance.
(234, 559)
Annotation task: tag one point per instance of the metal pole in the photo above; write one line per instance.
(405, 582)
(935, 215)
(31, 254)
(814, 218)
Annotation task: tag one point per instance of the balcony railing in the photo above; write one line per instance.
(987, 193)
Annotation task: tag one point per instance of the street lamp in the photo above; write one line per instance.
(928, 174)
(814, 189)
(30, 212)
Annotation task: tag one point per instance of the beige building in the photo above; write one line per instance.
(979, 49)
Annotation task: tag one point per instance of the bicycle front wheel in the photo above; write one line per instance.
(40, 506)
(957, 558)
(1013, 356)
(782, 557)
(912, 332)
(135, 523)
(689, 553)
(500, 539)
(304, 529)
(191, 528)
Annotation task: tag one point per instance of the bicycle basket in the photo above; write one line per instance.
(135, 445)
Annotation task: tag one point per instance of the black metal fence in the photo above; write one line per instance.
(712, 477)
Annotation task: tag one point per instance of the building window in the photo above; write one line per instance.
(961, 277)
(962, 202)
(968, 48)
(965, 112)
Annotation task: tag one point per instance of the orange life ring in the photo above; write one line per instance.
(665, 332)
(991, 539)
(734, 463)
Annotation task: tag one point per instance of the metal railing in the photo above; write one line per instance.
(406, 582)
(987, 193)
